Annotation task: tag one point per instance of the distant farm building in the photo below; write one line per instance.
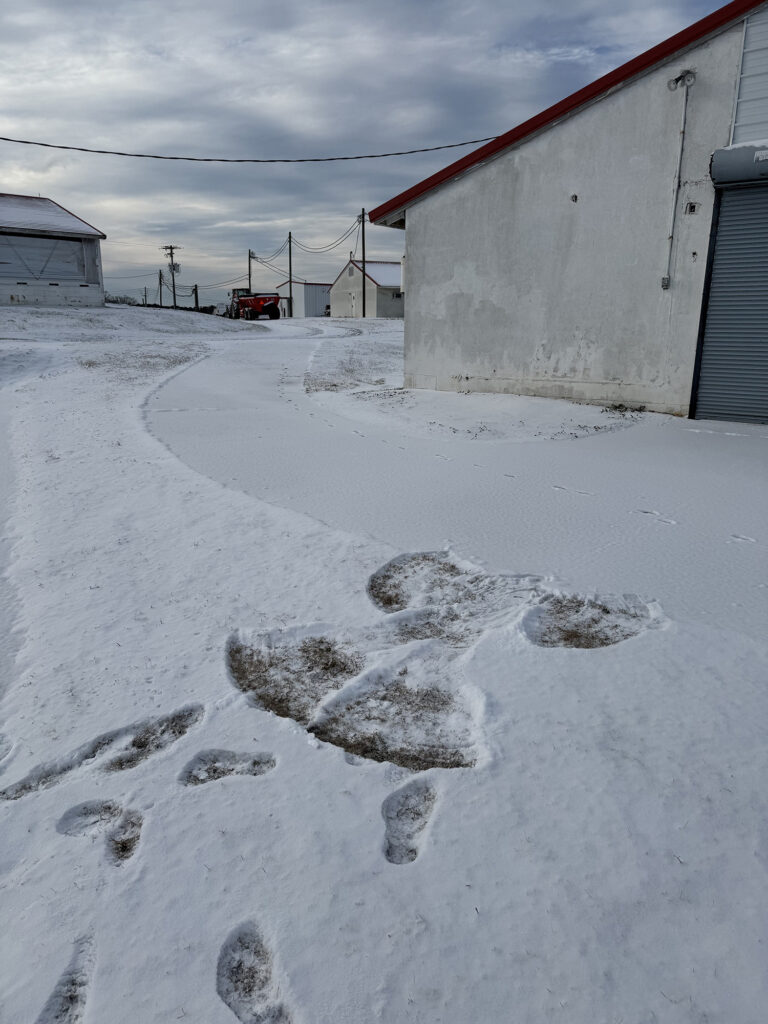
(383, 289)
(48, 256)
(309, 298)
(613, 248)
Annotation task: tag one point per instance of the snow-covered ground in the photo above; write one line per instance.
(323, 701)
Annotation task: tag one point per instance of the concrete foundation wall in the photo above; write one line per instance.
(43, 293)
(514, 286)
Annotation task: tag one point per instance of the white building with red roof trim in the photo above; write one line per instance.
(612, 249)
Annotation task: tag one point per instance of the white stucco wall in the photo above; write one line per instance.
(513, 287)
(347, 295)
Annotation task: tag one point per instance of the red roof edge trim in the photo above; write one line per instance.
(662, 51)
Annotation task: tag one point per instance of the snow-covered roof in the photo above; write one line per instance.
(383, 272)
(36, 215)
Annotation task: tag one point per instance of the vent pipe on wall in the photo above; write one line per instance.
(685, 79)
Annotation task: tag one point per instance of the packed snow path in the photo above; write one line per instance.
(647, 509)
(269, 752)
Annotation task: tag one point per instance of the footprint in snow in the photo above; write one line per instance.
(406, 813)
(66, 1004)
(658, 516)
(244, 978)
(129, 746)
(209, 765)
(5, 748)
(122, 827)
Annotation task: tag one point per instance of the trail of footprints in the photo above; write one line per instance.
(391, 693)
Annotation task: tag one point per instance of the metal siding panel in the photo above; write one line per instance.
(751, 120)
(733, 383)
(41, 259)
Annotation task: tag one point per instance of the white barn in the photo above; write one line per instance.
(309, 298)
(612, 249)
(383, 289)
(48, 256)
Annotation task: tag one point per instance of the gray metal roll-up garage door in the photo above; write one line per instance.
(733, 377)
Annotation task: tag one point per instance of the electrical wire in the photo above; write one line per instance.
(284, 273)
(247, 160)
(276, 253)
(330, 245)
(223, 284)
(127, 277)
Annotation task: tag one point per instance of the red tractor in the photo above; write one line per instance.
(247, 305)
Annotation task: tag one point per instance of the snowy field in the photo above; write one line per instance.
(325, 702)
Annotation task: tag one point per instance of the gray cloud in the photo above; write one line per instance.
(240, 78)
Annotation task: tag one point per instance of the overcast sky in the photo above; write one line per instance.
(242, 78)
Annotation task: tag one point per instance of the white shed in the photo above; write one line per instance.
(309, 298)
(48, 256)
(597, 251)
(383, 289)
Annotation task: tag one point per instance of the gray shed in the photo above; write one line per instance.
(48, 256)
(310, 298)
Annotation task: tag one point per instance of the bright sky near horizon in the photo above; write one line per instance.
(240, 79)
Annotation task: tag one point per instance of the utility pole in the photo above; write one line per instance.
(160, 285)
(173, 267)
(290, 275)
(251, 256)
(145, 295)
(197, 302)
(362, 226)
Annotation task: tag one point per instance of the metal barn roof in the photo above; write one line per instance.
(392, 212)
(34, 215)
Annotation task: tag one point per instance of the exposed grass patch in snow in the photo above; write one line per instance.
(415, 727)
(290, 678)
(571, 620)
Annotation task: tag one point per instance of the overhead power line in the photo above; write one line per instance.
(247, 160)
(330, 245)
